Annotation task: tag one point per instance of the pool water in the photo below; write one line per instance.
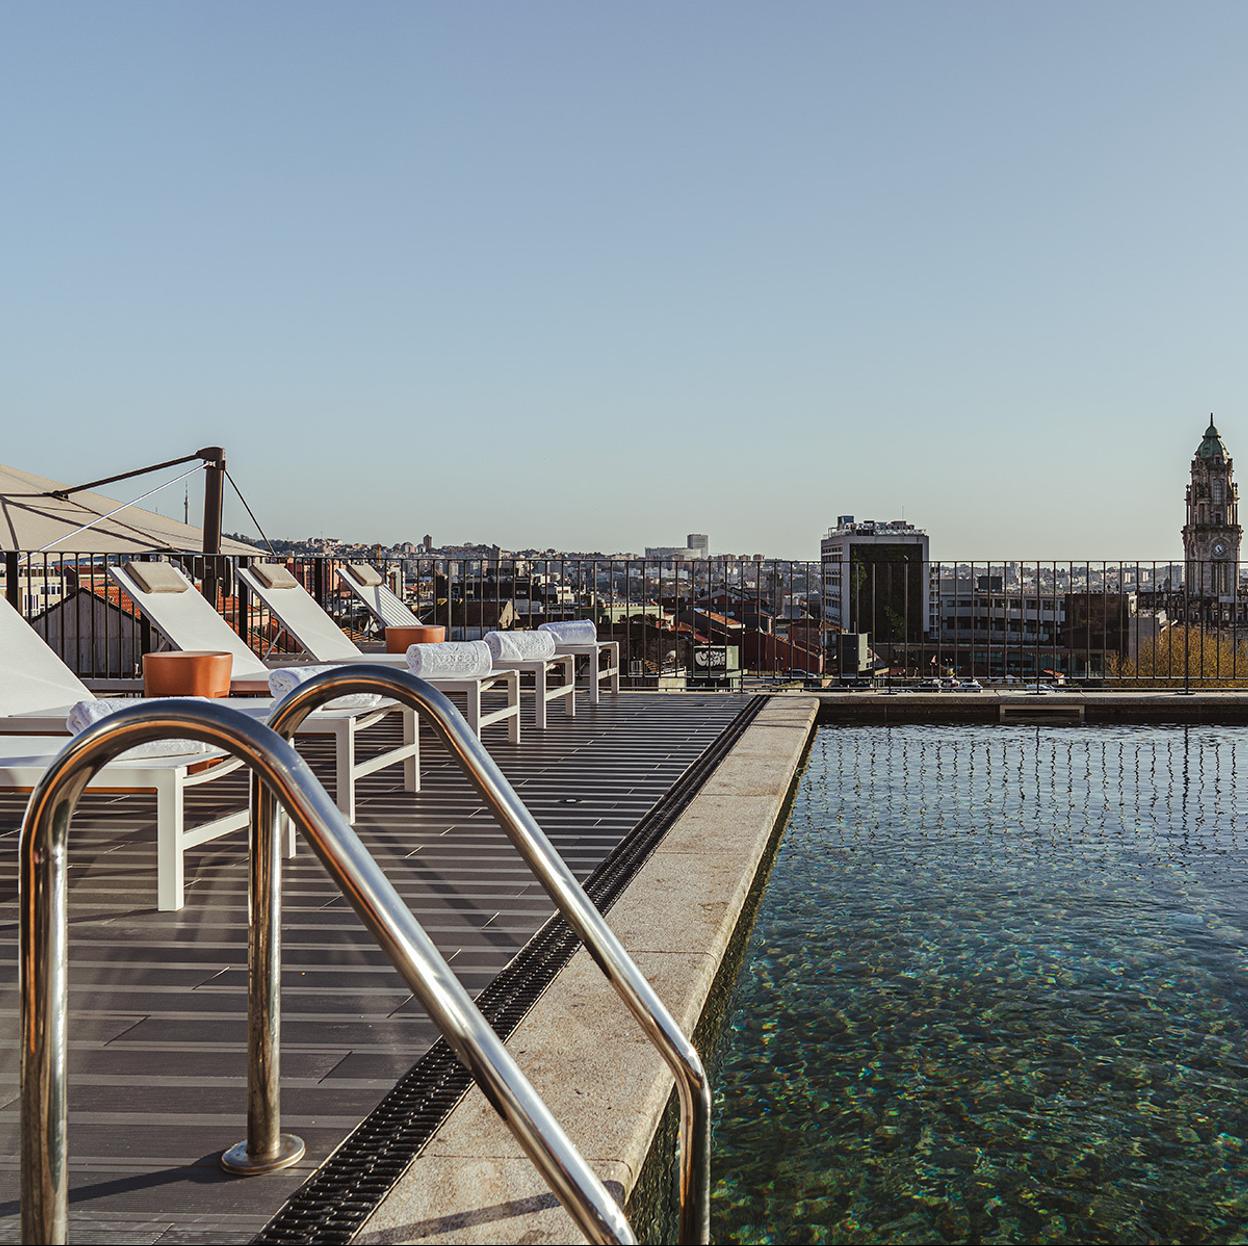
(997, 992)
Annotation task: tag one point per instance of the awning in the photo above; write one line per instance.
(34, 523)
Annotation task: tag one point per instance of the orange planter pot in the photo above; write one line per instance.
(187, 673)
(398, 638)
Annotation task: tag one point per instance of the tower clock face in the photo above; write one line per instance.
(1219, 549)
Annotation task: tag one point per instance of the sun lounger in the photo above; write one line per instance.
(369, 585)
(37, 692)
(24, 758)
(321, 637)
(602, 657)
(187, 621)
(509, 656)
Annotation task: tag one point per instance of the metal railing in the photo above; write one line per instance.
(288, 783)
(719, 621)
(264, 1138)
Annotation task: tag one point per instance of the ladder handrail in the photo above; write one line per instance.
(44, 964)
(552, 872)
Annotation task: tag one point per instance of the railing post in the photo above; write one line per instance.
(243, 597)
(44, 961)
(12, 589)
(266, 1148)
(1187, 636)
(318, 581)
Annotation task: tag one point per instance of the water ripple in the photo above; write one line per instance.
(996, 993)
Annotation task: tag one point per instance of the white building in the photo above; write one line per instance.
(989, 613)
(38, 587)
(697, 545)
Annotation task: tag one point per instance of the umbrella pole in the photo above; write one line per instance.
(214, 498)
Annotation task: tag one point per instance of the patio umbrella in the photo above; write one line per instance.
(38, 514)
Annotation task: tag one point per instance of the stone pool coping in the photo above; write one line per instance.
(584, 1054)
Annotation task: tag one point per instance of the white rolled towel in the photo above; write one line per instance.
(285, 679)
(87, 713)
(572, 631)
(520, 646)
(452, 659)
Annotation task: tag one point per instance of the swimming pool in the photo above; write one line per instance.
(997, 991)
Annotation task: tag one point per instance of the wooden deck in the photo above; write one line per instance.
(158, 1000)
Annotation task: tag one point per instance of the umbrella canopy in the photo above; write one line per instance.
(57, 524)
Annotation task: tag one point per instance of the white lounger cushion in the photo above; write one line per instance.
(386, 606)
(454, 659)
(188, 621)
(364, 574)
(303, 619)
(87, 713)
(287, 678)
(158, 577)
(520, 646)
(32, 677)
(24, 758)
(273, 575)
(572, 631)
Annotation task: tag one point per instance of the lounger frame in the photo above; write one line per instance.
(544, 689)
(600, 668)
(23, 760)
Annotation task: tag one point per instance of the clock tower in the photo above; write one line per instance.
(1212, 533)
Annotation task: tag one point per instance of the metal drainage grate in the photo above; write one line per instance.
(336, 1200)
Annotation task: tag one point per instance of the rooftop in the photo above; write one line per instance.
(873, 527)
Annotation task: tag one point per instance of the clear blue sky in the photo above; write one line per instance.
(596, 276)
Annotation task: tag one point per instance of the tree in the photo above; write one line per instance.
(1217, 659)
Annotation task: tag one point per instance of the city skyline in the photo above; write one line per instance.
(575, 279)
(1220, 540)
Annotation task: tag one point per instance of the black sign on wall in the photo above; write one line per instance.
(710, 659)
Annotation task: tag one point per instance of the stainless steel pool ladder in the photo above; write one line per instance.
(560, 883)
(282, 779)
(287, 782)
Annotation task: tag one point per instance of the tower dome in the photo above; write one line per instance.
(1212, 446)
